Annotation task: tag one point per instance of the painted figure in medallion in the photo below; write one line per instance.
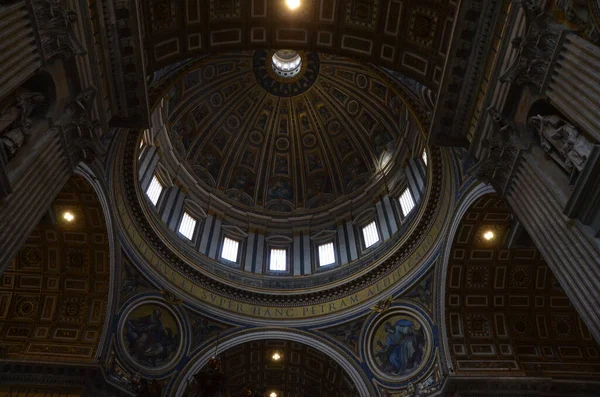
(151, 335)
(400, 349)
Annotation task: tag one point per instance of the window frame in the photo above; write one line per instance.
(191, 239)
(156, 177)
(335, 259)
(283, 243)
(363, 226)
(232, 232)
(287, 266)
(406, 190)
(237, 260)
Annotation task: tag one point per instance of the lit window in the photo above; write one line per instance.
(230, 249)
(187, 226)
(278, 259)
(287, 63)
(424, 156)
(406, 202)
(154, 190)
(326, 254)
(142, 146)
(370, 234)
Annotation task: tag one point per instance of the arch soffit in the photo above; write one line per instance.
(477, 191)
(60, 298)
(356, 374)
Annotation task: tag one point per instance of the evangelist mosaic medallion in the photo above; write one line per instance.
(400, 345)
(151, 336)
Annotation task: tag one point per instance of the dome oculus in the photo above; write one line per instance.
(286, 63)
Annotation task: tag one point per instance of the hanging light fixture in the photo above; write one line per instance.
(210, 381)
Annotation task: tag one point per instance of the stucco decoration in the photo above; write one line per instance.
(151, 336)
(275, 145)
(399, 345)
(55, 292)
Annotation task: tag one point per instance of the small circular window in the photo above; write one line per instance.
(287, 63)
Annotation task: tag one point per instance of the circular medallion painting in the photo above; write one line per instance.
(399, 345)
(151, 336)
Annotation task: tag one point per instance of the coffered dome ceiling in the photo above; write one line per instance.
(288, 144)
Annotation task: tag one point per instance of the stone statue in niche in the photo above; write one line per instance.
(15, 122)
(578, 13)
(562, 141)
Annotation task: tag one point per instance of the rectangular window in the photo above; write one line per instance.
(154, 190)
(187, 226)
(370, 234)
(424, 157)
(278, 259)
(326, 254)
(230, 249)
(406, 202)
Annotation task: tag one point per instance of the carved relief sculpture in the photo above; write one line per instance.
(579, 13)
(499, 155)
(15, 122)
(535, 49)
(54, 25)
(562, 141)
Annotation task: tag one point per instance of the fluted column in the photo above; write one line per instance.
(573, 256)
(574, 87)
(19, 55)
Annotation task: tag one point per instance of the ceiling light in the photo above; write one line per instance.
(276, 356)
(489, 235)
(67, 216)
(292, 4)
(273, 394)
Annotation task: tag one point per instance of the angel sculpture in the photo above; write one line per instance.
(382, 305)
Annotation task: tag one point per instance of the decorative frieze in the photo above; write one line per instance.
(537, 48)
(54, 22)
(79, 130)
(500, 153)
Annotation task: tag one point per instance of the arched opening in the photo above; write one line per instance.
(307, 366)
(54, 293)
(505, 312)
(280, 368)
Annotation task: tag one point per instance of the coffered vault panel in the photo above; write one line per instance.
(506, 314)
(239, 132)
(53, 295)
(302, 370)
(410, 36)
